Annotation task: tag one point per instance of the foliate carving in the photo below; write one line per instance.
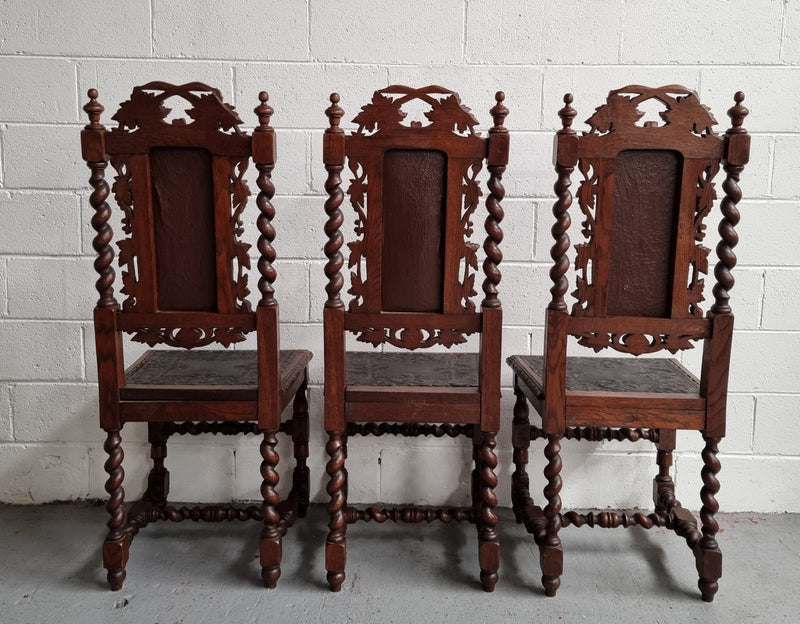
(469, 258)
(698, 262)
(385, 111)
(145, 109)
(683, 110)
(145, 112)
(637, 343)
(188, 337)
(358, 199)
(412, 337)
(587, 195)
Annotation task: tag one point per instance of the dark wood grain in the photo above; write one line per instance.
(182, 193)
(414, 190)
(645, 191)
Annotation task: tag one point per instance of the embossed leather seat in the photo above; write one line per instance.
(414, 188)
(645, 192)
(180, 186)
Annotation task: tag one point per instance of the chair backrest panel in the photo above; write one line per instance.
(643, 232)
(183, 228)
(414, 213)
(181, 187)
(644, 194)
(414, 189)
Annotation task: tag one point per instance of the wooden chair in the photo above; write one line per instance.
(181, 190)
(414, 188)
(644, 194)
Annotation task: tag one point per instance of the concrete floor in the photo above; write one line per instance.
(50, 571)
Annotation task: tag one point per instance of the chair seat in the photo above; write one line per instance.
(433, 387)
(213, 375)
(600, 389)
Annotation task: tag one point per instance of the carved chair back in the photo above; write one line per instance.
(180, 184)
(644, 193)
(414, 189)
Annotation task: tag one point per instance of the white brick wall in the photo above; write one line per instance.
(51, 53)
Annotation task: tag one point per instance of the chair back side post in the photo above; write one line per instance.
(491, 310)
(108, 340)
(717, 349)
(333, 313)
(267, 311)
(565, 158)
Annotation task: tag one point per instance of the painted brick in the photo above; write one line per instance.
(742, 483)
(39, 223)
(300, 93)
(5, 413)
(43, 288)
(43, 350)
(704, 35)
(69, 29)
(745, 296)
(299, 224)
(784, 178)
(516, 341)
(115, 79)
(235, 30)
(759, 362)
(524, 299)
(292, 288)
(43, 473)
(760, 241)
(477, 86)
(774, 84)
(790, 52)
(43, 157)
(388, 33)
(37, 90)
(590, 87)
(39, 414)
(3, 281)
(306, 336)
(291, 174)
(781, 307)
(776, 416)
(532, 32)
(518, 231)
(531, 173)
(425, 476)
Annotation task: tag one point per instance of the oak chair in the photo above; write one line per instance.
(414, 188)
(181, 188)
(644, 194)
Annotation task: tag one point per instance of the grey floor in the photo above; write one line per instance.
(50, 571)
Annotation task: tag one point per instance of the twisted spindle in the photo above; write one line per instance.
(561, 212)
(270, 571)
(336, 508)
(494, 235)
(335, 217)
(102, 211)
(266, 210)
(730, 213)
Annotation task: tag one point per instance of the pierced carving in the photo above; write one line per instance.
(145, 109)
(188, 337)
(637, 343)
(587, 196)
(384, 113)
(683, 110)
(472, 193)
(412, 337)
(358, 199)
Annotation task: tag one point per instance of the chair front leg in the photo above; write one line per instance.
(551, 554)
(707, 553)
(488, 542)
(270, 546)
(336, 545)
(521, 441)
(117, 544)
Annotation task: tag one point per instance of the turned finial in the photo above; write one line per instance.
(567, 114)
(499, 112)
(264, 111)
(334, 113)
(94, 109)
(737, 113)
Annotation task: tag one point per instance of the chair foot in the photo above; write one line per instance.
(490, 562)
(551, 559)
(115, 557)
